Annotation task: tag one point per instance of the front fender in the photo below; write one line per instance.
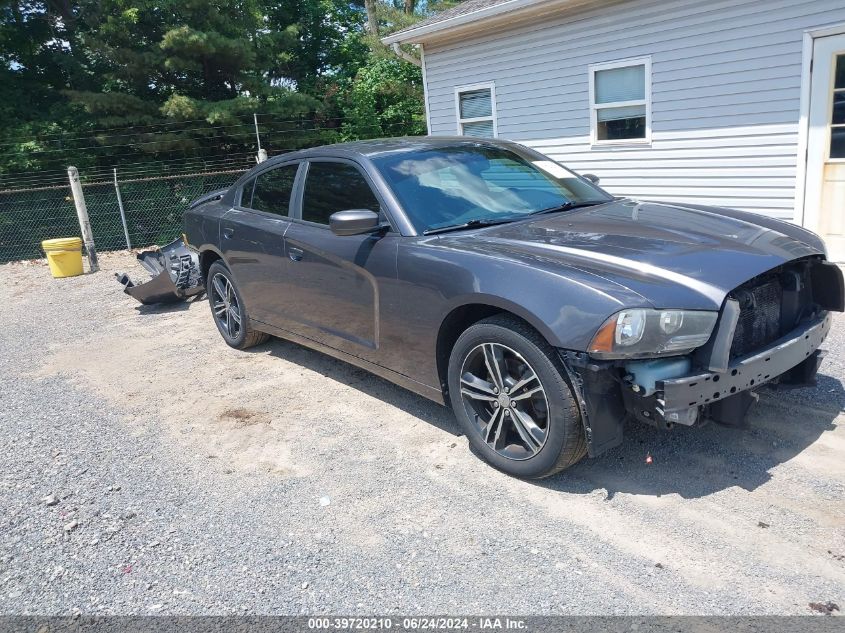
(505, 304)
(564, 304)
(567, 306)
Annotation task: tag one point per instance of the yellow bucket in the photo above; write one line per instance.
(64, 256)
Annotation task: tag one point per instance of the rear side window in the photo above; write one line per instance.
(332, 187)
(272, 191)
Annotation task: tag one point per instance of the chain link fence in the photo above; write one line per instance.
(152, 206)
(153, 192)
(29, 216)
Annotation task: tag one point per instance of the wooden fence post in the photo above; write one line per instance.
(82, 214)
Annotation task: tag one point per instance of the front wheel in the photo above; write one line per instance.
(228, 309)
(507, 389)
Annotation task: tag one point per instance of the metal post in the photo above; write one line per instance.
(262, 153)
(257, 135)
(84, 222)
(122, 214)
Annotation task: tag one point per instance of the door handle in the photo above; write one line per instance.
(295, 254)
(228, 232)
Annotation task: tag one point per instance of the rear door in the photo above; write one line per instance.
(252, 238)
(336, 282)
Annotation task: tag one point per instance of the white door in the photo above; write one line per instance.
(824, 206)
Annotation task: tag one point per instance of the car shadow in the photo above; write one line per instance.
(365, 382)
(690, 462)
(696, 462)
(167, 308)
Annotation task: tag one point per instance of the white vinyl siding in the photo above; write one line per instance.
(725, 88)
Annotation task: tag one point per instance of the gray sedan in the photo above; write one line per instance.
(487, 277)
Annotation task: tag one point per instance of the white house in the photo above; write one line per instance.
(737, 103)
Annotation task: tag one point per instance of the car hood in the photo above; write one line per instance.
(684, 256)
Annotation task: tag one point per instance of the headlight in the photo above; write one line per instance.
(640, 332)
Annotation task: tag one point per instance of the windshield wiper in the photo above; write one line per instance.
(490, 221)
(566, 206)
(467, 225)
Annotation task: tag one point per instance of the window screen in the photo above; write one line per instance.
(480, 129)
(476, 104)
(333, 187)
(620, 84)
(273, 190)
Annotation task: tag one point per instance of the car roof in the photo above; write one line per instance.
(374, 147)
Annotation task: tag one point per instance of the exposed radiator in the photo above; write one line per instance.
(759, 316)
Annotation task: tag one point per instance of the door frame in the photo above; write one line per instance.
(302, 180)
(810, 35)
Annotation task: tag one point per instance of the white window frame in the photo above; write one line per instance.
(491, 86)
(595, 107)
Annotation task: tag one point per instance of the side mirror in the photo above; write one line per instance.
(353, 222)
(592, 178)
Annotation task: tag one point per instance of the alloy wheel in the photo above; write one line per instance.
(505, 400)
(224, 302)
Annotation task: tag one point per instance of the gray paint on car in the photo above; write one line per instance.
(380, 300)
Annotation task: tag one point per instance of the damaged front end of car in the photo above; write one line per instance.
(176, 275)
(767, 333)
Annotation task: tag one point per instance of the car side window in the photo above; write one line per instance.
(273, 190)
(333, 187)
(246, 193)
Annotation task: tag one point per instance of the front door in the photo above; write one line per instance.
(336, 282)
(824, 205)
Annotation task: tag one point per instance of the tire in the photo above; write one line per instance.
(237, 330)
(536, 433)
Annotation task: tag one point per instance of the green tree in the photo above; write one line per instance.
(385, 97)
(190, 60)
(75, 66)
(100, 82)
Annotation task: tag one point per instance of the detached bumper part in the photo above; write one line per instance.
(176, 275)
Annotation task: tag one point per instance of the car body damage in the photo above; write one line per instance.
(461, 269)
(175, 271)
(769, 333)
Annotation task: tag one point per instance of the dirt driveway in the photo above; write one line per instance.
(192, 478)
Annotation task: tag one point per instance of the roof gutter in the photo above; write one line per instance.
(416, 34)
(407, 57)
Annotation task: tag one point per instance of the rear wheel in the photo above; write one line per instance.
(508, 392)
(228, 309)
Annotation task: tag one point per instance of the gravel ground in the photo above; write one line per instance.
(190, 478)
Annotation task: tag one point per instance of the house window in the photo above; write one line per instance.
(620, 101)
(476, 106)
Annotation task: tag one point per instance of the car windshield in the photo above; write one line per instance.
(464, 184)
